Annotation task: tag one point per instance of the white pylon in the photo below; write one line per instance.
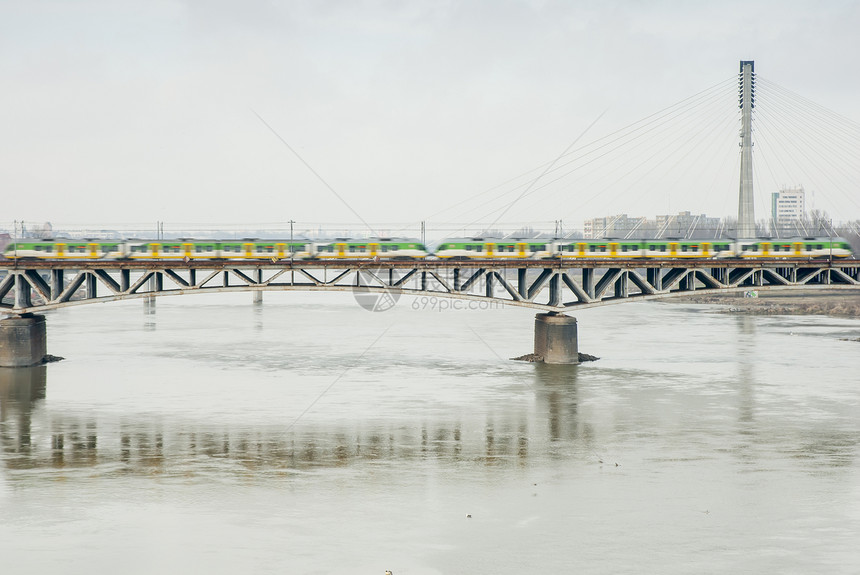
(746, 209)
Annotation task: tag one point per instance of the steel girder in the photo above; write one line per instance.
(549, 285)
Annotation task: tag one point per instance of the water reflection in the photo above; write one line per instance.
(144, 445)
(556, 394)
(746, 354)
(20, 389)
(32, 436)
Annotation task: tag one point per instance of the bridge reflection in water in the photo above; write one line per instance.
(559, 427)
(142, 445)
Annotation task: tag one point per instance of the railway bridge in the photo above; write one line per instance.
(553, 287)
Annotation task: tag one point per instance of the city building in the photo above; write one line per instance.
(611, 227)
(788, 205)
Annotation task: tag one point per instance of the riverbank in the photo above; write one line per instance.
(807, 302)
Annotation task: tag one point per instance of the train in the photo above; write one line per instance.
(413, 249)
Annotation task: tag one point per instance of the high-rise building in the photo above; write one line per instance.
(788, 205)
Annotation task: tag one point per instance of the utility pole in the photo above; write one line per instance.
(292, 252)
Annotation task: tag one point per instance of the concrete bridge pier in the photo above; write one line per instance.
(556, 339)
(23, 340)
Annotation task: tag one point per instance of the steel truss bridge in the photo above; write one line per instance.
(547, 285)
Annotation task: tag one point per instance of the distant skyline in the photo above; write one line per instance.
(129, 112)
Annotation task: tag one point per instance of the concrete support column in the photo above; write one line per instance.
(23, 341)
(258, 297)
(556, 339)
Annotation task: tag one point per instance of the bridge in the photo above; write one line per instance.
(552, 286)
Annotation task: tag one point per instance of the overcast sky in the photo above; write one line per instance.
(143, 111)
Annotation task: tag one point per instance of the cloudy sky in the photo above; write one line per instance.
(396, 111)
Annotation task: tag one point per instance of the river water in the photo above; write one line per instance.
(308, 435)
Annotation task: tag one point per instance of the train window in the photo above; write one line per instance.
(351, 249)
(479, 248)
(603, 249)
(38, 248)
(49, 249)
(683, 248)
(394, 248)
(662, 248)
(468, 247)
(694, 248)
(819, 246)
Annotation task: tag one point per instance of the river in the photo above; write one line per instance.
(308, 435)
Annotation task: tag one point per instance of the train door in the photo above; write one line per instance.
(521, 249)
(249, 249)
(706, 249)
(341, 250)
(580, 247)
(798, 249)
(489, 247)
(93, 250)
(765, 249)
(613, 249)
(156, 249)
(281, 250)
(374, 249)
(673, 249)
(61, 250)
(187, 247)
